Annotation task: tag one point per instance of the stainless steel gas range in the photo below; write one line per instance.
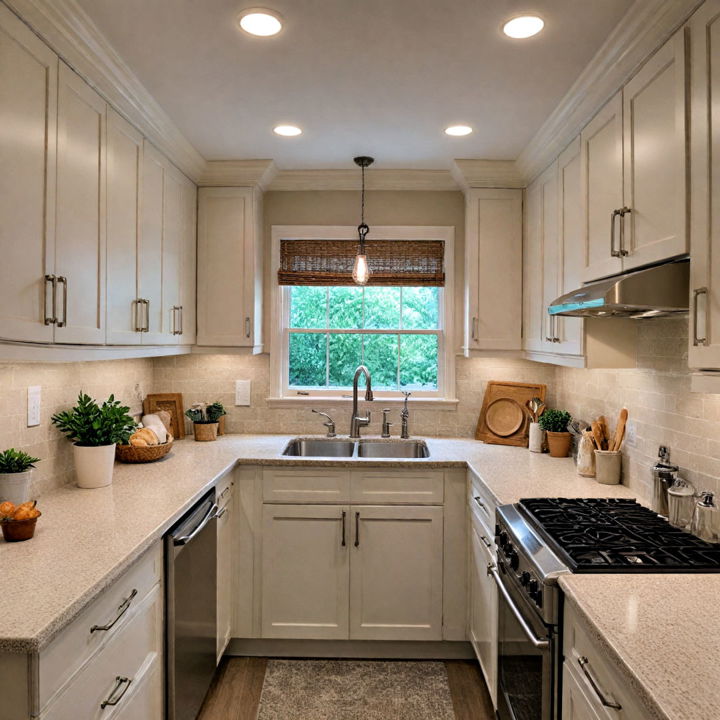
(541, 539)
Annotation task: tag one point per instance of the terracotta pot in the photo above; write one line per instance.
(559, 443)
(94, 465)
(205, 432)
(17, 530)
(221, 425)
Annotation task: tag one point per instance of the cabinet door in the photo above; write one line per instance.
(705, 175)
(575, 703)
(549, 253)
(654, 145)
(493, 266)
(305, 570)
(483, 612)
(569, 331)
(150, 255)
(532, 264)
(224, 575)
(173, 241)
(124, 164)
(28, 114)
(80, 211)
(602, 190)
(396, 573)
(188, 263)
(227, 276)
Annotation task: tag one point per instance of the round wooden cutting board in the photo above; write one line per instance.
(504, 417)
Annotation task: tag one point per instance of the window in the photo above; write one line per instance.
(324, 332)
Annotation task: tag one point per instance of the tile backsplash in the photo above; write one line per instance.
(129, 380)
(657, 394)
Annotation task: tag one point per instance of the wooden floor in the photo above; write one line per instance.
(235, 692)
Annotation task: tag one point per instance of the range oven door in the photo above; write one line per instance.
(527, 656)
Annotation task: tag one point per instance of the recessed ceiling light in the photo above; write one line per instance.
(524, 26)
(458, 130)
(287, 130)
(260, 22)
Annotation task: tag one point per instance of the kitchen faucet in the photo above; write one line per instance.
(404, 417)
(356, 422)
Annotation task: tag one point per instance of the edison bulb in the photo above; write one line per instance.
(361, 271)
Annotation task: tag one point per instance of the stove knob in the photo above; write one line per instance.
(525, 578)
(533, 587)
(513, 558)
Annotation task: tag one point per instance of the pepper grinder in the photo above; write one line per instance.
(705, 523)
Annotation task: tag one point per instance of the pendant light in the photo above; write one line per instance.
(361, 271)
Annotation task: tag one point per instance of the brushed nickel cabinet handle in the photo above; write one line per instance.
(699, 340)
(112, 698)
(555, 336)
(481, 504)
(247, 327)
(357, 529)
(613, 215)
(623, 212)
(137, 305)
(63, 281)
(122, 609)
(474, 329)
(53, 287)
(583, 663)
(486, 542)
(146, 326)
(180, 313)
(343, 529)
(176, 329)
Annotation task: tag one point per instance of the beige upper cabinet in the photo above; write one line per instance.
(124, 171)
(80, 211)
(229, 262)
(704, 350)
(188, 265)
(493, 270)
(28, 112)
(633, 169)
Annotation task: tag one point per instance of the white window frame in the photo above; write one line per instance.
(281, 395)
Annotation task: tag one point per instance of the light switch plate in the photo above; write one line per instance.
(242, 392)
(33, 405)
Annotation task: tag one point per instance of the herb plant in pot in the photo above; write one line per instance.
(217, 408)
(555, 423)
(95, 430)
(15, 472)
(205, 420)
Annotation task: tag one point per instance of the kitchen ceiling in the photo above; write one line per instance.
(378, 77)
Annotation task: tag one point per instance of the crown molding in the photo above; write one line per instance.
(641, 31)
(68, 30)
(433, 180)
(238, 173)
(486, 174)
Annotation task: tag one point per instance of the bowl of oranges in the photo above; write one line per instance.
(18, 521)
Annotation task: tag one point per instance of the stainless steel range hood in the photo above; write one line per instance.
(653, 292)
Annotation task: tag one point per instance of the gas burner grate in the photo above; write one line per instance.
(617, 535)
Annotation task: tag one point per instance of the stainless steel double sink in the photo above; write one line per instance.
(332, 448)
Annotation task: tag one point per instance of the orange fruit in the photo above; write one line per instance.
(34, 512)
(27, 505)
(6, 508)
(22, 514)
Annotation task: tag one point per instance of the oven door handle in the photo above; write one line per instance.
(537, 642)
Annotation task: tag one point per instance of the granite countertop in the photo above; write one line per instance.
(87, 538)
(661, 631)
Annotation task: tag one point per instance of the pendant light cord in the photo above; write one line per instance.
(363, 229)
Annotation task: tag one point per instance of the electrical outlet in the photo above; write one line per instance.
(242, 392)
(33, 405)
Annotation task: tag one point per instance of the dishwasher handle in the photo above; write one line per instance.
(211, 514)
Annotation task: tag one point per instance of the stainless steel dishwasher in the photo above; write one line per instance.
(191, 609)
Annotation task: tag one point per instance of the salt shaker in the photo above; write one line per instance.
(586, 456)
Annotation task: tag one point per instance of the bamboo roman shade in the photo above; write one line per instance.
(392, 262)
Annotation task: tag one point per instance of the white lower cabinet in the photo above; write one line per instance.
(225, 522)
(396, 573)
(576, 704)
(305, 571)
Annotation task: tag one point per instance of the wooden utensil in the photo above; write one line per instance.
(589, 435)
(541, 409)
(530, 405)
(604, 431)
(620, 430)
(597, 434)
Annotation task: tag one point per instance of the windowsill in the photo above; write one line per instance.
(319, 402)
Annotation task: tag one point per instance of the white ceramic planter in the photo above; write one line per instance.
(94, 465)
(15, 487)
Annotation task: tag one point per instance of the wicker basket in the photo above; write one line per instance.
(17, 530)
(143, 454)
(205, 432)
(221, 424)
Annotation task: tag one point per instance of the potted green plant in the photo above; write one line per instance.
(555, 423)
(95, 430)
(15, 472)
(217, 409)
(205, 420)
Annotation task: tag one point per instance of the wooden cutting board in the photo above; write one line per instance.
(504, 419)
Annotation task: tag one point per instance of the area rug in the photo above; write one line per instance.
(355, 690)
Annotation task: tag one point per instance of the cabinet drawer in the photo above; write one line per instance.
(127, 655)
(397, 487)
(301, 485)
(76, 643)
(482, 504)
(146, 700)
(596, 668)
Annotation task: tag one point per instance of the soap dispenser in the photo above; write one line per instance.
(706, 522)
